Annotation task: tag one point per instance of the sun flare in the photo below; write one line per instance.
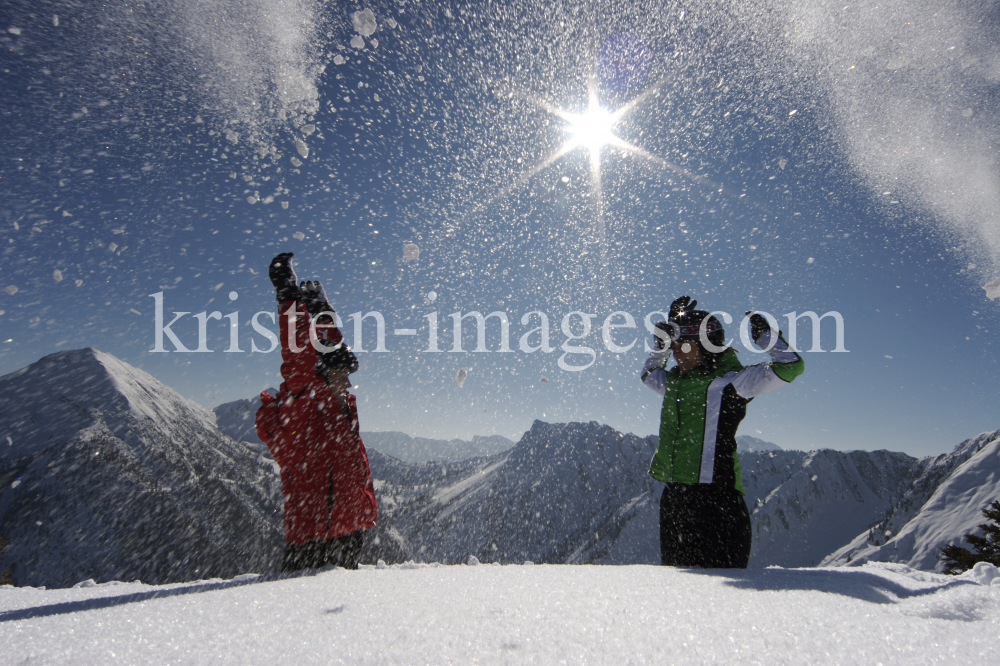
(592, 129)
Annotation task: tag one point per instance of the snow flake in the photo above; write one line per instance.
(411, 252)
(357, 42)
(364, 22)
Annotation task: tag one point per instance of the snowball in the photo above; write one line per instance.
(392, 24)
(14, 31)
(338, 59)
(411, 252)
(363, 22)
(374, 43)
(232, 137)
(782, 162)
(302, 148)
(460, 376)
(57, 275)
(984, 573)
(251, 199)
(298, 235)
(357, 42)
(432, 296)
(232, 174)
(112, 246)
(78, 282)
(296, 162)
(308, 129)
(284, 204)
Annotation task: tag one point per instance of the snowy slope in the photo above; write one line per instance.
(879, 614)
(106, 473)
(805, 506)
(971, 480)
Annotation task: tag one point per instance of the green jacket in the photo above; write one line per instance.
(703, 409)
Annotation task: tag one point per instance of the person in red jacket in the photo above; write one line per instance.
(311, 428)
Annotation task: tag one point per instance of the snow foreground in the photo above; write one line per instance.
(418, 613)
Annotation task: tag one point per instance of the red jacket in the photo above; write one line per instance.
(325, 477)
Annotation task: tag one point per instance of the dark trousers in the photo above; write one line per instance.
(703, 525)
(340, 552)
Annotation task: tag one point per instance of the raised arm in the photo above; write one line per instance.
(654, 374)
(785, 365)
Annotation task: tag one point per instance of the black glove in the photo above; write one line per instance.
(680, 305)
(283, 277)
(342, 358)
(758, 325)
(314, 296)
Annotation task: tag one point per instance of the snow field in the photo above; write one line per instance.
(550, 614)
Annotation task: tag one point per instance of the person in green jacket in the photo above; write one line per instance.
(704, 521)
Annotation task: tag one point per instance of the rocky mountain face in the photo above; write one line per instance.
(106, 473)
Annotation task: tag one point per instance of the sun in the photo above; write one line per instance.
(592, 129)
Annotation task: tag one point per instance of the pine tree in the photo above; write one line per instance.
(4, 575)
(957, 559)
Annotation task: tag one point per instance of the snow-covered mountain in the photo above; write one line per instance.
(236, 419)
(806, 505)
(748, 444)
(422, 449)
(944, 503)
(106, 473)
(580, 492)
(574, 492)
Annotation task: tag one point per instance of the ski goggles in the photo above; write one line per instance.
(677, 331)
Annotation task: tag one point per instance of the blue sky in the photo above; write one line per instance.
(117, 172)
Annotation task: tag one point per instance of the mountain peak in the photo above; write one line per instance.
(58, 394)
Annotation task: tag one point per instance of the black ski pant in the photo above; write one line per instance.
(704, 525)
(343, 552)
